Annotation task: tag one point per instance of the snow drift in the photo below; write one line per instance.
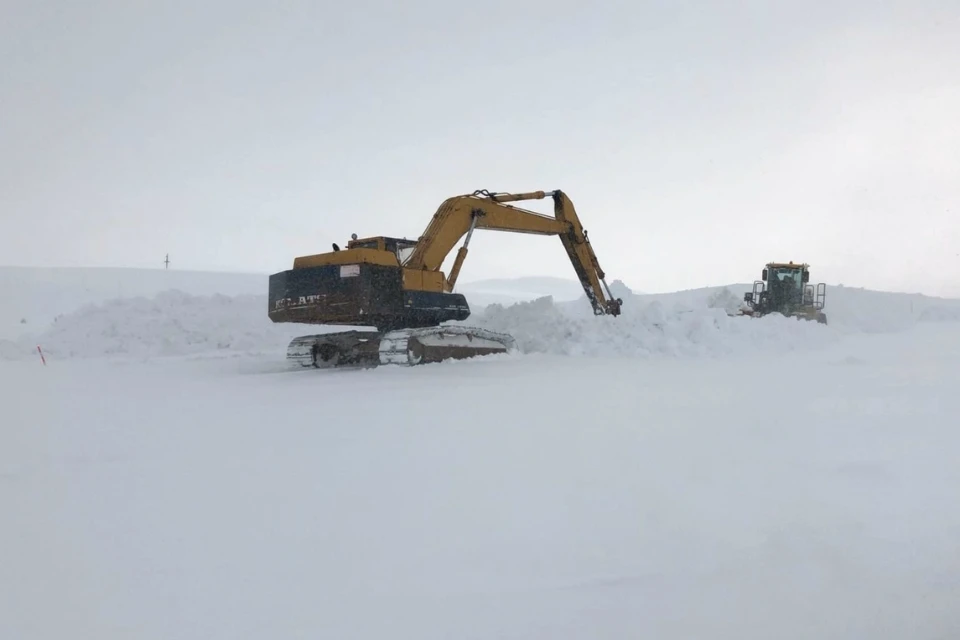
(541, 326)
(33, 296)
(156, 313)
(687, 323)
(848, 309)
(178, 324)
(173, 323)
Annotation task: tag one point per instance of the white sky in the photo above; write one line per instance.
(697, 139)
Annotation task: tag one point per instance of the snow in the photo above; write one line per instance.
(178, 324)
(507, 291)
(671, 473)
(511, 290)
(541, 326)
(549, 497)
(33, 297)
(171, 323)
(172, 313)
(694, 323)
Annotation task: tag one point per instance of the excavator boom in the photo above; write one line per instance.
(460, 215)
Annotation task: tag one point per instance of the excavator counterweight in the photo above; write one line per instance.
(395, 286)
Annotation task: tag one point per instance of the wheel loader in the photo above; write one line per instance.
(395, 286)
(784, 289)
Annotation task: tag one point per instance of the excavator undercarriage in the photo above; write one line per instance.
(392, 294)
(393, 326)
(405, 347)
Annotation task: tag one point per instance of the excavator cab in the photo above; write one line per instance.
(784, 288)
(399, 247)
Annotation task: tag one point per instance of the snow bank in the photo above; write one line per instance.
(170, 324)
(863, 311)
(155, 312)
(848, 309)
(541, 326)
(34, 296)
(177, 324)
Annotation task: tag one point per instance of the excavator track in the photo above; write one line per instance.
(403, 347)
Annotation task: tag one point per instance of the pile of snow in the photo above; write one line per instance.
(173, 323)
(848, 309)
(227, 311)
(691, 323)
(620, 290)
(865, 311)
(177, 324)
(726, 300)
(541, 326)
(34, 296)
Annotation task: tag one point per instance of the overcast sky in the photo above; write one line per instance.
(698, 140)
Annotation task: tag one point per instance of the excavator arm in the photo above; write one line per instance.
(461, 215)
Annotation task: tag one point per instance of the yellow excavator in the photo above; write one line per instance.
(395, 286)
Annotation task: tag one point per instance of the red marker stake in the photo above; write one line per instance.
(42, 359)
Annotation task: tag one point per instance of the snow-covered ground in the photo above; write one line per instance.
(671, 473)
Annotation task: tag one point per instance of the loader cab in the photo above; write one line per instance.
(785, 282)
(785, 288)
(400, 247)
